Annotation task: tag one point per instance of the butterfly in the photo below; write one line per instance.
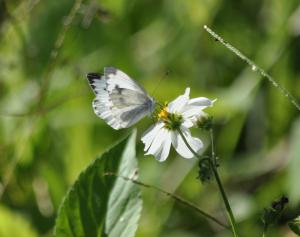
(120, 101)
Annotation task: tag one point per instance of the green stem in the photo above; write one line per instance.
(265, 231)
(254, 67)
(216, 174)
(225, 199)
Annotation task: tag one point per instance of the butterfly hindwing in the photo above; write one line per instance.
(119, 101)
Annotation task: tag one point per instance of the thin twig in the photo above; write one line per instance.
(254, 67)
(55, 51)
(44, 89)
(14, 22)
(172, 195)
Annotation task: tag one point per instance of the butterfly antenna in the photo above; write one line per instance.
(159, 81)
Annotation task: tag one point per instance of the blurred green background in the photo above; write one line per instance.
(49, 132)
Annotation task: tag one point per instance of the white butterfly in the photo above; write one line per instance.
(119, 101)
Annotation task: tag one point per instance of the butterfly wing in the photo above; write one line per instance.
(119, 101)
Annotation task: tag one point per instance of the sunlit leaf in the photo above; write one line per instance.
(295, 225)
(99, 204)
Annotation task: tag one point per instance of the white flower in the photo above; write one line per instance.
(181, 113)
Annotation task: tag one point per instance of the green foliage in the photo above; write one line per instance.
(293, 171)
(100, 203)
(45, 145)
(14, 224)
(295, 225)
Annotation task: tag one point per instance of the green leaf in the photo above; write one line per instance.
(103, 205)
(295, 225)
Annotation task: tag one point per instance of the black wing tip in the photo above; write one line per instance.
(93, 75)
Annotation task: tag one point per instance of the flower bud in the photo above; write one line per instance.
(205, 122)
(273, 213)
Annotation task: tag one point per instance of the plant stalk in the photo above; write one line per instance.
(219, 183)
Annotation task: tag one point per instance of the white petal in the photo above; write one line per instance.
(201, 101)
(191, 117)
(180, 102)
(195, 106)
(157, 142)
(150, 134)
(189, 122)
(180, 146)
(165, 147)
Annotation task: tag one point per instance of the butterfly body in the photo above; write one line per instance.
(119, 101)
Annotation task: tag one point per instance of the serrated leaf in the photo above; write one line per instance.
(295, 226)
(103, 205)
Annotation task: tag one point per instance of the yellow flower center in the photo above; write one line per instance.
(163, 114)
(172, 121)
